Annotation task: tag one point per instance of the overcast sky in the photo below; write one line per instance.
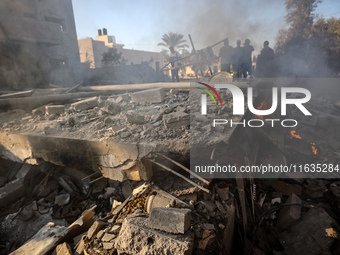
(141, 24)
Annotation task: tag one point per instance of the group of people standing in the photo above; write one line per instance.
(239, 59)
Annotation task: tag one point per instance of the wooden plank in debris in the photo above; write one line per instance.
(166, 85)
(43, 241)
(34, 102)
(184, 168)
(242, 196)
(228, 235)
(18, 94)
(178, 174)
(73, 88)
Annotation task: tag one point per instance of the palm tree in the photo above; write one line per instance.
(173, 39)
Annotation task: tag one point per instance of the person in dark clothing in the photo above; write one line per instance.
(237, 57)
(226, 53)
(265, 61)
(173, 59)
(246, 65)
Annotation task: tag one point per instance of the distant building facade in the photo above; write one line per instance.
(91, 51)
(38, 42)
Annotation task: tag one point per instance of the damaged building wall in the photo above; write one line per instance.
(37, 43)
(91, 51)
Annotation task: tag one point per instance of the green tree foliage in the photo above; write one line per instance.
(308, 47)
(173, 39)
(327, 34)
(300, 17)
(111, 58)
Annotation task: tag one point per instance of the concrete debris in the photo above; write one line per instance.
(136, 237)
(54, 109)
(62, 200)
(108, 237)
(111, 108)
(86, 104)
(170, 220)
(289, 214)
(11, 192)
(176, 120)
(64, 249)
(117, 137)
(148, 96)
(96, 226)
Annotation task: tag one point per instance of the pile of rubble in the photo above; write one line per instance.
(141, 218)
(146, 115)
(81, 205)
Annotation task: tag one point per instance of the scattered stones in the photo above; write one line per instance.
(62, 200)
(176, 120)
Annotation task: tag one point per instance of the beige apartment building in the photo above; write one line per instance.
(91, 51)
(38, 44)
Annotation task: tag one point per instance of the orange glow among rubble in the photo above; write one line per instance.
(294, 135)
(263, 105)
(315, 150)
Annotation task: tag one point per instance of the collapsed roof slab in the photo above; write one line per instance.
(115, 159)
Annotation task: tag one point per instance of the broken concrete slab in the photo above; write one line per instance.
(171, 220)
(148, 96)
(110, 157)
(85, 104)
(25, 172)
(310, 235)
(96, 226)
(136, 238)
(11, 192)
(289, 214)
(137, 117)
(108, 246)
(176, 120)
(54, 109)
(108, 237)
(111, 108)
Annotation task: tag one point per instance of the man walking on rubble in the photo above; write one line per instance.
(173, 59)
(237, 57)
(226, 53)
(246, 65)
(265, 61)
